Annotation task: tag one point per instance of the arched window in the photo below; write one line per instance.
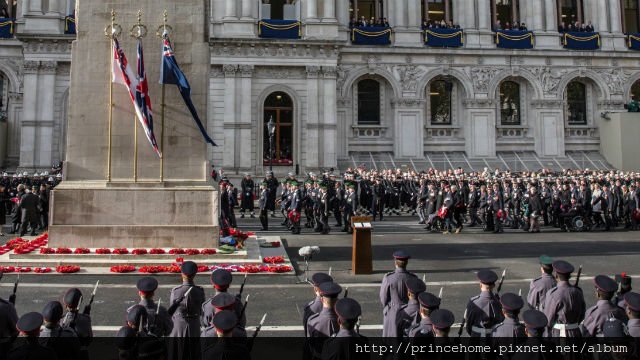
(510, 103)
(576, 103)
(631, 16)
(369, 9)
(505, 12)
(369, 102)
(635, 90)
(440, 99)
(436, 10)
(570, 12)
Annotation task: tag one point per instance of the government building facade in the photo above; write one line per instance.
(381, 83)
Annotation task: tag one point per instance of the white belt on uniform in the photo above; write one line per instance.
(564, 327)
(482, 331)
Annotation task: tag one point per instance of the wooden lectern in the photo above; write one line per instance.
(361, 258)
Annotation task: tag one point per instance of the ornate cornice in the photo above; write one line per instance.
(46, 46)
(548, 104)
(330, 72)
(407, 103)
(313, 71)
(479, 103)
(246, 70)
(48, 67)
(229, 70)
(30, 67)
(279, 72)
(262, 49)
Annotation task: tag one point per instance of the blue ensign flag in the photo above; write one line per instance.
(170, 73)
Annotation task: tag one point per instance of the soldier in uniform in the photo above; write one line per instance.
(186, 311)
(263, 203)
(350, 206)
(324, 324)
(272, 186)
(342, 345)
(74, 319)
(564, 304)
(510, 331)
(246, 185)
(428, 304)
(222, 302)
(315, 306)
(535, 323)
(295, 207)
(63, 341)
(632, 303)
(625, 286)
(8, 320)
(484, 311)
(442, 320)
(147, 345)
(227, 347)
(541, 285)
(393, 293)
(406, 315)
(221, 280)
(604, 309)
(29, 327)
(324, 210)
(338, 199)
(159, 323)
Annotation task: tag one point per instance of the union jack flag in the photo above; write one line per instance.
(138, 89)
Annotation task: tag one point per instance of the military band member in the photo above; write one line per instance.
(428, 304)
(604, 309)
(246, 186)
(227, 347)
(160, 323)
(74, 319)
(186, 310)
(632, 303)
(343, 344)
(393, 292)
(484, 311)
(406, 315)
(315, 306)
(263, 203)
(29, 327)
(564, 305)
(221, 280)
(541, 285)
(63, 341)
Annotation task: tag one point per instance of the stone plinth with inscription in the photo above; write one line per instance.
(88, 210)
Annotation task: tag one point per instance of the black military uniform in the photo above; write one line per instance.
(342, 346)
(63, 341)
(263, 203)
(350, 206)
(246, 186)
(314, 306)
(29, 326)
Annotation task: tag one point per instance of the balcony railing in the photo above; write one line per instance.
(371, 35)
(7, 27)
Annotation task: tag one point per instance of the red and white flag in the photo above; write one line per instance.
(136, 84)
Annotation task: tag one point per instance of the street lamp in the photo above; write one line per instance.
(271, 127)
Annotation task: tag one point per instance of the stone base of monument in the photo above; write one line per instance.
(134, 215)
(253, 255)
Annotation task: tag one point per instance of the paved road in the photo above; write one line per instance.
(447, 261)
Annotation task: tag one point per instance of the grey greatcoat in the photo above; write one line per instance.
(598, 314)
(484, 311)
(564, 307)
(393, 294)
(538, 290)
(186, 322)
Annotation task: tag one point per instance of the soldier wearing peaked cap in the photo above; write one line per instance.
(428, 304)
(407, 314)
(535, 323)
(144, 345)
(442, 320)
(221, 280)
(186, 310)
(63, 341)
(484, 311)
(263, 204)
(223, 302)
(541, 285)
(624, 282)
(227, 346)
(159, 323)
(29, 327)
(342, 346)
(510, 331)
(323, 324)
(604, 309)
(74, 319)
(315, 306)
(393, 292)
(564, 305)
(632, 303)
(8, 332)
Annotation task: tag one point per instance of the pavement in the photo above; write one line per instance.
(447, 261)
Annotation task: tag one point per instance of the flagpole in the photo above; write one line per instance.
(111, 32)
(162, 102)
(138, 31)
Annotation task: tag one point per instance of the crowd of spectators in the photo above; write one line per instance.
(364, 22)
(435, 24)
(575, 27)
(509, 26)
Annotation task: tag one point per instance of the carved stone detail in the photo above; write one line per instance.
(216, 72)
(407, 103)
(329, 72)
(246, 70)
(479, 103)
(30, 67)
(616, 79)
(482, 76)
(279, 72)
(549, 78)
(313, 71)
(408, 75)
(547, 104)
(229, 70)
(48, 67)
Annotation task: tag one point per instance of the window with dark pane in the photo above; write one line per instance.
(576, 103)
(440, 95)
(510, 103)
(369, 102)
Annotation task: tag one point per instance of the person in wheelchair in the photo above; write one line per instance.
(572, 217)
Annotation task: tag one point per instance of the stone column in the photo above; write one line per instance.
(470, 14)
(551, 18)
(228, 159)
(479, 125)
(615, 12)
(312, 10)
(329, 10)
(29, 115)
(601, 20)
(70, 7)
(35, 6)
(343, 12)
(538, 15)
(46, 111)
(460, 16)
(400, 10)
(408, 127)
(328, 128)
(311, 144)
(484, 15)
(247, 9)
(414, 13)
(54, 6)
(218, 10)
(231, 11)
(244, 122)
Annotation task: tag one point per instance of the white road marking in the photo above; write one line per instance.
(274, 328)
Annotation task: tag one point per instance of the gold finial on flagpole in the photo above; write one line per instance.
(113, 30)
(139, 30)
(164, 29)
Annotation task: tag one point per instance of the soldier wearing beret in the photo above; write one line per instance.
(29, 327)
(393, 292)
(74, 319)
(564, 305)
(295, 207)
(159, 323)
(325, 207)
(484, 311)
(185, 311)
(315, 306)
(541, 285)
(428, 304)
(8, 320)
(604, 309)
(63, 341)
(227, 346)
(324, 324)
(632, 302)
(407, 314)
(343, 344)
(221, 280)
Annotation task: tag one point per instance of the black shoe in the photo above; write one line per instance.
(265, 229)
(242, 216)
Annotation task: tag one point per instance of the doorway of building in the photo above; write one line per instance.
(278, 107)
